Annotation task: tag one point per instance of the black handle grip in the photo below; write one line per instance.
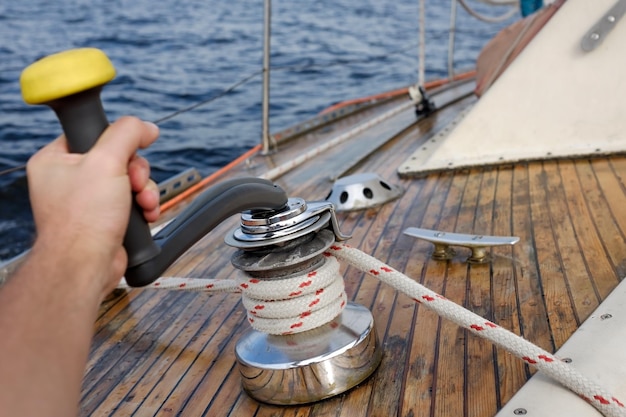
(83, 120)
(208, 210)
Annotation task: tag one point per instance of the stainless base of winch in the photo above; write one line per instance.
(313, 365)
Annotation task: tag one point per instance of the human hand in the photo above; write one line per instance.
(81, 202)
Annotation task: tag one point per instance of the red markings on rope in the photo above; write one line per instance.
(244, 285)
(210, 286)
(490, 324)
(384, 268)
(428, 298)
(305, 314)
(335, 247)
(251, 320)
(542, 357)
(259, 307)
(318, 292)
(295, 293)
(312, 274)
(601, 399)
(617, 402)
(306, 284)
(326, 254)
(374, 272)
(343, 303)
(477, 327)
(183, 285)
(295, 325)
(317, 300)
(156, 284)
(254, 281)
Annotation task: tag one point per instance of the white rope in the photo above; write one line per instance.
(305, 302)
(276, 306)
(189, 284)
(562, 372)
(294, 305)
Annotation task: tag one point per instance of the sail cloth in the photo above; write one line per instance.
(503, 48)
(554, 101)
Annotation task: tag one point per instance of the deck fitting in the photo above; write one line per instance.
(310, 366)
(478, 244)
(362, 191)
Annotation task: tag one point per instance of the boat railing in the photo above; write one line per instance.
(268, 141)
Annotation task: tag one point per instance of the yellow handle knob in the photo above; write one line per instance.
(70, 83)
(65, 73)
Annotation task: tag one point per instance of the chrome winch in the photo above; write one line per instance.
(276, 244)
(315, 364)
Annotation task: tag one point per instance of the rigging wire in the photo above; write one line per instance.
(252, 75)
(245, 80)
(497, 19)
(10, 170)
(340, 62)
(215, 97)
(173, 114)
(501, 2)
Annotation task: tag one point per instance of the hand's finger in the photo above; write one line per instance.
(138, 173)
(152, 215)
(148, 199)
(120, 141)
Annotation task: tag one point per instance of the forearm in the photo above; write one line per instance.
(47, 310)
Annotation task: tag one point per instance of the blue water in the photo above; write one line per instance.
(171, 54)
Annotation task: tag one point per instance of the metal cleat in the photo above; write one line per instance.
(477, 243)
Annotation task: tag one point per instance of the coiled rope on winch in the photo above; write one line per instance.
(312, 300)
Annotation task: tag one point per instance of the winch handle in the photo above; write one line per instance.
(70, 83)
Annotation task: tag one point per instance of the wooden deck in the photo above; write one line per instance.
(172, 353)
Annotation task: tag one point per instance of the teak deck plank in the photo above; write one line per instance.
(479, 366)
(529, 292)
(506, 309)
(552, 280)
(609, 233)
(172, 353)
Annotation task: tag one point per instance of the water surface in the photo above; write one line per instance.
(171, 54)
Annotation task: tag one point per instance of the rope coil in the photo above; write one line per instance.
(295, 305)
(328, 279)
